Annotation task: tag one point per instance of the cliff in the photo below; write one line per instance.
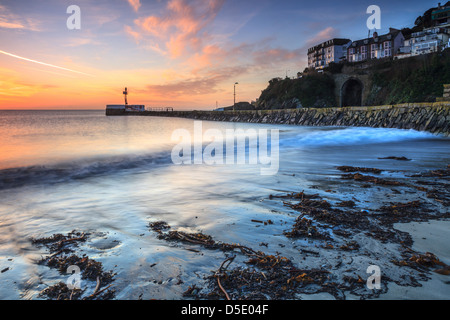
(313, 90)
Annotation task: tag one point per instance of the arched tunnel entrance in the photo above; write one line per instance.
(351, 93)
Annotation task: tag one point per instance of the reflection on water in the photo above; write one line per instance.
(111, 176)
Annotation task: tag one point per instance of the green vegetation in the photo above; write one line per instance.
(312, 90)
(417, 79)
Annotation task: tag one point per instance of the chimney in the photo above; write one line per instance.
(392, 30)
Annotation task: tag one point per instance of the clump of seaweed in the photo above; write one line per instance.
(395, 158)
(62, 257)
(359, 169)
(404, 212)
(61, 291)
(421, 262)
(375, 180)
(198, 238)
(296, 195)
(159, 226)
(59, 243)
(267, 277)
(90, 269)
(323, 212)
(346, 204)
(438, 173)
(304, 227)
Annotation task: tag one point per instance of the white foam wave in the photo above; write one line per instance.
(354, 136)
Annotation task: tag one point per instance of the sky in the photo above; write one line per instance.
(185, 54)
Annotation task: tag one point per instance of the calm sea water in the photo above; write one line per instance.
(80, 170)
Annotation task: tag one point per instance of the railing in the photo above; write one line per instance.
(160, 109)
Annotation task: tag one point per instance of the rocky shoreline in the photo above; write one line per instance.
(431, 117)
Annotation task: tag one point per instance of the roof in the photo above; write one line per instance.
(368, 41)
(331, 42)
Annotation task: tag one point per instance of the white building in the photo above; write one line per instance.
(334, 50)
(429, 40)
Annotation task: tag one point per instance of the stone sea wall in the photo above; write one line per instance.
(431, 117)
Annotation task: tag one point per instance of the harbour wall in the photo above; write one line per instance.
(431, 117)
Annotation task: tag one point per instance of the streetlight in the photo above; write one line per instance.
(234, 105)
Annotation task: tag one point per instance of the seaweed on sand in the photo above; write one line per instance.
(375, 180)
(304, 227)
(422, 262)
(358, 169)
(62, 256)
(266, 277)
(59, 243)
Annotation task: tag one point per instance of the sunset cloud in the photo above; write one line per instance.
(181, 28)
(11, 86)
(8, 20)
(274, 56)
(322, 36)
(135, 4)
(209, 83)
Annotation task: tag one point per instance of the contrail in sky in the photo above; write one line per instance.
(42, 63)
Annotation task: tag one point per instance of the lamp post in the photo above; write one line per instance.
(234, 105)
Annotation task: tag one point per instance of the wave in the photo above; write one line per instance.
(335, 136)
(78, 170)
(90, 167)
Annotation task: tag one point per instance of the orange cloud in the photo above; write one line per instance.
(135, 4)
(322, 36)
(9, 20)
(205, 84)
(271, 56)
(11, 87)
(10, 25)
(181, 28)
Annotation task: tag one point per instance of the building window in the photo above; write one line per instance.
(364, 53)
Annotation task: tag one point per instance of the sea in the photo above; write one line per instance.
(112, 176)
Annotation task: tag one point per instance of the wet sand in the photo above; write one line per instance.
(319, 248)
(429, 236)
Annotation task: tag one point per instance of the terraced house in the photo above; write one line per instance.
(376, 47)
